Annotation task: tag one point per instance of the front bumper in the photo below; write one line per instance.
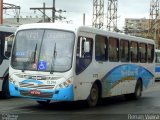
(61, 94)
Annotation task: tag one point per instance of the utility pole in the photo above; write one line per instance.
(98, 14)
(15, 8)
(1, 11)
(43, 10)
(84, 19)
(53, 9)
(112, 15)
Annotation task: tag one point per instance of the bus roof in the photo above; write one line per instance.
(11, 29)
(48, 26)
(75, 28)
(114, 34)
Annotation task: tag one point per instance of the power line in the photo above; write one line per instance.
(43, 11)
(15, 8)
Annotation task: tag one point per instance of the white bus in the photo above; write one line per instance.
(157, 65)
(6, 37)
(52, 62)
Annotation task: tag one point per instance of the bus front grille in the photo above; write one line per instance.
(30, 85)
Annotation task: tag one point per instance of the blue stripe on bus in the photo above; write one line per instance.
(34, 81)
(127, 72)
(157, 69)
(13, 90)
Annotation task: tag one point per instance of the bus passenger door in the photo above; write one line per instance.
(84, 54)
(83, 69)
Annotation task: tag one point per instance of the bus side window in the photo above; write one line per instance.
(113, 49)
(82, 61)
(143, 52)
(134, 51)
(150, 53)
(101, 51)
(124, 50)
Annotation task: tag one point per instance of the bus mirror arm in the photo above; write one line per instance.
(80, 52)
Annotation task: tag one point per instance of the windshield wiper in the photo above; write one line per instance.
(34, 57)
(53, 57)
(23, 67)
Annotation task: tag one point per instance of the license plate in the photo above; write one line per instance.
(35, 92)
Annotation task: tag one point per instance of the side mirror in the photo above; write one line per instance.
(5, 47)
(84, 46)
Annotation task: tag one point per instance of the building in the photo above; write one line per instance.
(143, 28)
(137, 27)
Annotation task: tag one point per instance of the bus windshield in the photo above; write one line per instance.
(43, 50)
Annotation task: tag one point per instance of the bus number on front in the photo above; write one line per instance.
(51, 82)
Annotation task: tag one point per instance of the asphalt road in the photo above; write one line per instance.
(115, 108)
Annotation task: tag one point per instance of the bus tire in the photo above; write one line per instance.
(94, 96)
(138, 90)
(5, 89)
(44, 102)
(137, 93)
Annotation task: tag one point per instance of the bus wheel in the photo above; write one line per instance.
(138, 90)
(5, 90)
(137, 93)
(44, 102)
(94, 96)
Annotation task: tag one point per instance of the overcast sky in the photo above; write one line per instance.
(76, 8)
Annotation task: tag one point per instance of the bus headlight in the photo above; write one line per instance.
(64, 84)
(12, 80)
